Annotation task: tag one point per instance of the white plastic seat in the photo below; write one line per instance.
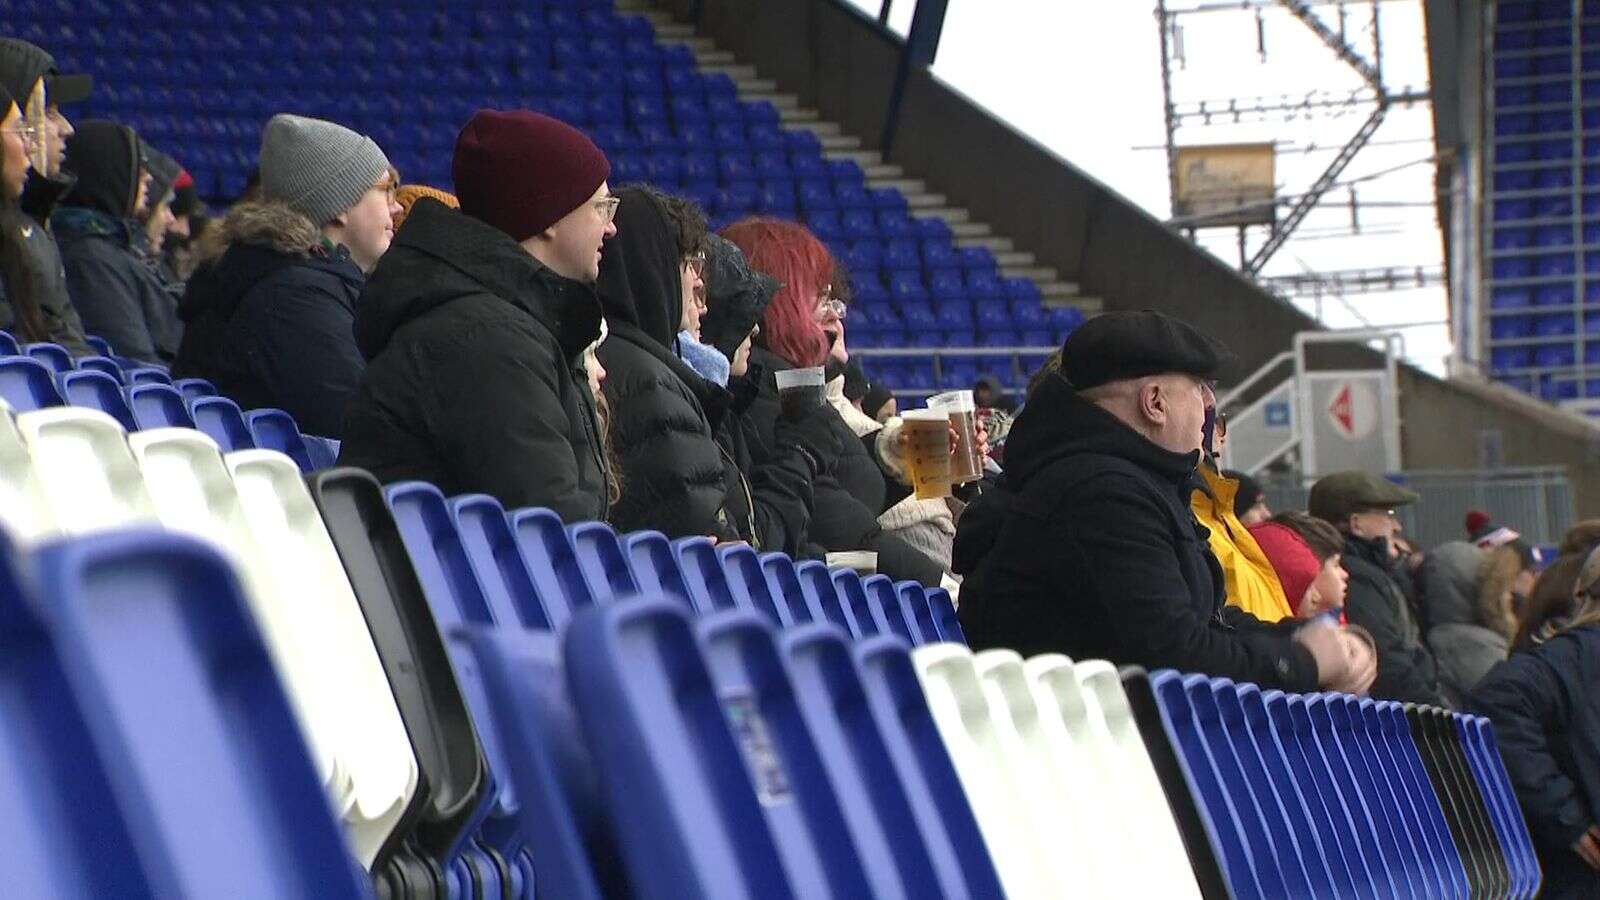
(1058, 813)
(1166, 862)
(314, 611)
(87, 475)
(961, 712)
(22, 508)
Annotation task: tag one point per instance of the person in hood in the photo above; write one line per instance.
(1470, 600)
(118, 296)
(1088, 546)
(988, 394)
(474, 325)
(269, 315)
(39, 306)
(1362, 507)
(672, 478)
(1546, 715)
(769, 494)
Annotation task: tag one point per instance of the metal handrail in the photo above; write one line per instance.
(1280, 359)
(951, 351)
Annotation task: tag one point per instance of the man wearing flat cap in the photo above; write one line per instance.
(1089, 547)
(1362, 507)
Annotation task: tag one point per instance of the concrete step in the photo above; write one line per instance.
(709, 58)
(733, 70)
(953, 215)
(969, 229)
(1039, 274)
(1015, 259)
(907, 186)
(799, 116)
(1088, 305)
(885, 170)
(840, 143)
(862, 158)
(758, 86)
(926, 203)
(821, 128)
(993, 244)
(1059, 291)
(781, 101)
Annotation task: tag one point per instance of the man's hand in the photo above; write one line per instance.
(1362, 656)
(1328, 648)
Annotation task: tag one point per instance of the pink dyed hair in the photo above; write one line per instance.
(793, 255)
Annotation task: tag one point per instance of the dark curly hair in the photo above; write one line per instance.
(687, 219)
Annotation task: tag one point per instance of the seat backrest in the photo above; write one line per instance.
(856, 758)
(562, 817)
(655, 565)
(147, 375)
(101, 364)
(682, 783)
(960, 709)
(1412, 858)
(181, 693)
(509, 590)
(420, 674)
(783, 584)
(194, 388)
(54, 356)
(944, 816)
(825, 852)
(914, 600)
(944, 616)
(22, 506)
(156, 405)
(1480, 732)
(59, 821)
(1442, 727)
(1430, 804)
(274, 429)
(552, 562)
(852, 599)
(323, 453)
(816, 585)
(220, 418)
(88, 477)
(603, 561)
(9, 345)
(702, 574)
(741, 566)
(1330, 725)
(1394, 777)
(309, 611)
(883, 601)
(28, 384)
(93, 389)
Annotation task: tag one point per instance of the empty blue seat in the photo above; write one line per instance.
(147, 375)
(888, 610)
(691, 817)
(656, 568)
(159, 406)
(274, 429)
(101, 364)
(604, 561)
(96, 390)
(54, 356)
(747, 583)
(184, 703)
(851, 596)
(28, 384)
(219, 417)
(552, 563)
(100, 345)
(322, 452)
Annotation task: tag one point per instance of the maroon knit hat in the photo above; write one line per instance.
(522, 172)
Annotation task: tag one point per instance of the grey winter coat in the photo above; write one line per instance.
(1464, 649)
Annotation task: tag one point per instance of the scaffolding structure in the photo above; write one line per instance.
(1349, 30)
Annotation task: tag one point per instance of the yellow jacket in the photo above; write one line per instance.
(1252, 584)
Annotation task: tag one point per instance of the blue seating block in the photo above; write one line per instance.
(96, 390)
(28, 384)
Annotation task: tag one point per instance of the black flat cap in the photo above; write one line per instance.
(1118, 345)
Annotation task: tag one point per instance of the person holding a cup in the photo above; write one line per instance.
(1089, 548)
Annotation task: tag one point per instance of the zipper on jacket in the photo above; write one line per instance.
(749, 500)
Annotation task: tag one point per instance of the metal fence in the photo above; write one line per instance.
(1535, 501)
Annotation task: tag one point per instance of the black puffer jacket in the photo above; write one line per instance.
(270, 322)
(1375, 601)
(769, 495)
(1089, 548)
(1546, 714)
(672, 471)
(474, 375)
(118, 297)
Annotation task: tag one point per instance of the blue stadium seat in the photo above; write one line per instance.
(747, 583)
(219, 417)
(101, 364)
(888, 611)
(99, 345)
(691, 819)
(195, 733)
(552, 560)
(96, 390)
(147, 375)
(53, 356)
(28, 384)
(604, 561)
(274, 429)
(860, 621)
(657, 569)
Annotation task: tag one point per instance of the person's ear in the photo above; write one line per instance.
(1152, 399)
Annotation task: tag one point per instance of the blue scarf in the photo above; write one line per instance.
(707, 362)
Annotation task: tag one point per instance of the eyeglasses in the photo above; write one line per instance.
(607, 208)
(828, 304)
(696, 264)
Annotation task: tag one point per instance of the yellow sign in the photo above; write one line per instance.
(1226, 184)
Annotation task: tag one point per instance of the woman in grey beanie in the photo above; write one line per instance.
(269, 314)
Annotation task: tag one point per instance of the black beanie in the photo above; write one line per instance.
(105, 158)
(736, 296)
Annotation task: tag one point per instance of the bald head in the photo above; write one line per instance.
(1169, 409)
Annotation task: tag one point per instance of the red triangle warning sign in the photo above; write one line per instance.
(1341, 413)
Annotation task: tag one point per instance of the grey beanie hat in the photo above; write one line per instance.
(320, 169)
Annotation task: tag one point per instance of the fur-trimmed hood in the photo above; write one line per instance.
(266, 223)
(256, 241)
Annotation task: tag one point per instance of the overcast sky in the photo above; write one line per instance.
(1083, 77)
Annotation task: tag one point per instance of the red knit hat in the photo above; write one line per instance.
(1291, 558)
(523, 172)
